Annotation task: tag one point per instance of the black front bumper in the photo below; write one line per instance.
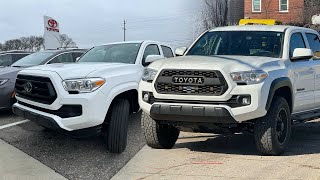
(50, 123)
(37, 118)
(191, 113)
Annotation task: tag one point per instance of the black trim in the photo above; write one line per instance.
(191, 113)
(214, 83)
(301, 58)
(66, 111)
(275, 85)
(42, 90)
(233, 102)
(50, 123)
(37, 118)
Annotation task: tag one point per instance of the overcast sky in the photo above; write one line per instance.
(94, 22)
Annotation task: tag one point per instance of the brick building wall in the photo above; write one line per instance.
(270, 9)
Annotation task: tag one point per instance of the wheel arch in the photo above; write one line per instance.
(130, 95)
(281, 87)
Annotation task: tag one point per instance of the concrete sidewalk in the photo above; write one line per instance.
(15, 164)
(206, 156)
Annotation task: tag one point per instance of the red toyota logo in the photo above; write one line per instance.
(52, 23)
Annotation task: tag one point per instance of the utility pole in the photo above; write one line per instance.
(124, 30)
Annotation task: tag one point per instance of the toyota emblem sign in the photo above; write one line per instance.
(53, 25)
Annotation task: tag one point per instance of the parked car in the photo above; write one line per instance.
(9, 57)
(250, 78)
(95, 95)
(8, 74)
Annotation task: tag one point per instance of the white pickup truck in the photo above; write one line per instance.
(256, 78)
(94, 95)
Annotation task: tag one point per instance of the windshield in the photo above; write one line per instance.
(240, 43)
(113, 53)
(33, 59)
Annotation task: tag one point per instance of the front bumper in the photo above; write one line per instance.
(191, 113)
(230, 114)
(51, 123)
(43, 120)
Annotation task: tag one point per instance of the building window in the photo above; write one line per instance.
(256, 5)
(283, 5)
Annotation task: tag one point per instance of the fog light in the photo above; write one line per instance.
(146, 96)
(246, 100)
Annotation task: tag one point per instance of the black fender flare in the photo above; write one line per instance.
(277, 84)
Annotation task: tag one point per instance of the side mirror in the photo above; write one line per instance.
(77, 59)
(301, 54)
(180, 51)
(152, 58)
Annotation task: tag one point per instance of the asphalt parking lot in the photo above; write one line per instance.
(88, 158)
(72, 158)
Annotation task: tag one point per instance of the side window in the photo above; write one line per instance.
(314, 42)
(296, 41)
(167, 52)
(62, 58)
(151, 49)
(76, 55)
(5, 60)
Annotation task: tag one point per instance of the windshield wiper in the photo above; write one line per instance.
(17, 66)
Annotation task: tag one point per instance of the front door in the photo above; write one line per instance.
(303, 76)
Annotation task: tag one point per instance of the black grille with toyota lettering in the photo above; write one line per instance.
(191, 82)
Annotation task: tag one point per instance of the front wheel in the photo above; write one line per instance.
(158, 136)
(272, 132)
(118, 126)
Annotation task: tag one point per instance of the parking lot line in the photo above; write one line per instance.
(13, 124)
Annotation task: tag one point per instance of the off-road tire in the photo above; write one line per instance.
(265, 129)
(117, 131)
(158, 136)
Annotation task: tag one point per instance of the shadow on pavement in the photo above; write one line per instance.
(5, 113)
(305, 140)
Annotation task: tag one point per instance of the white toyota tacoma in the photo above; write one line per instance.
(256, 78)
(94, 95)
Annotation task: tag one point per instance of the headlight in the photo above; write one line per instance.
(83, 85)
(249, 77)
(149, 74)
(2, 81)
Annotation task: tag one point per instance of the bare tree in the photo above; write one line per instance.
(14, 44)
(32, 43)
(311, 8)
(66, 42)
(215, 13)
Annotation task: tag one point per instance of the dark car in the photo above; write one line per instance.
(9, 57)
(8, 74)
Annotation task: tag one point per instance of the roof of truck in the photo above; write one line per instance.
(276, 28)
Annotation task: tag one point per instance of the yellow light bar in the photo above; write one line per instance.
(258, 22)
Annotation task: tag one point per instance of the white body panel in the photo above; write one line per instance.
(119, 78)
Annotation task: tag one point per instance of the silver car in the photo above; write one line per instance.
(9, 57)
(9, 74)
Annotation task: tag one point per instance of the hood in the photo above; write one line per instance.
(8, 71)
(78, 70)
(232, 63)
